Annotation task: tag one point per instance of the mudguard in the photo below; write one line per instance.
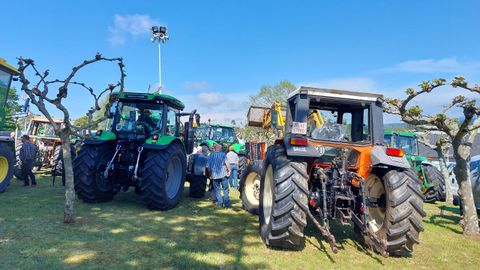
(380, 158)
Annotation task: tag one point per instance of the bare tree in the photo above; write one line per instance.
(39, 95)
(461, 133)
(441, 147)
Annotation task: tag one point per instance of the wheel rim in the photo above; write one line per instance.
(3, 168)
(268, 194)
(252, 188)
(374, 188)
(174, 177)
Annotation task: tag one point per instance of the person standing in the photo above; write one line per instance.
(220, 169)
(27, 157)
(232, 158)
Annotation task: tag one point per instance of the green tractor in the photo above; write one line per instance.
(433, 183)
(142, 147)
(7, 142)
(222, 134)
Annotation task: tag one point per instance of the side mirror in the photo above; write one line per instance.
(26, 105)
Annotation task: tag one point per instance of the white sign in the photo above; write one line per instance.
(299, 128)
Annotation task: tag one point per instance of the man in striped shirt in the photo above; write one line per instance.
(220, 170)
(27, 157)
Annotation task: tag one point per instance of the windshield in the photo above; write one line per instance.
(408, 144)
(144, 118)
(223, 134)
(337, 124)
(44, 129)
(202, 133)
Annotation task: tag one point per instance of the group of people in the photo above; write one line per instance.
(221, 169)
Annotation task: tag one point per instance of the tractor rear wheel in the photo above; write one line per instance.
(17, 171)
(435, 178)
(88, 170)
(6, 166)
(283, 199)
(163, 177)
(250, 187)
(396, 219)
(242, 163)
(198, 185)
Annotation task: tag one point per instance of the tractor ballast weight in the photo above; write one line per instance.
(141, 147)
(338, 169)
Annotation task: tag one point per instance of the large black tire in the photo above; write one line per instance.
(398, 222)
(198, 185)
(283, 200)
(163, 177)
(6, 166)
(17, 171)
(88, 168)
(242, 163)
(435, 178)
(250, 186)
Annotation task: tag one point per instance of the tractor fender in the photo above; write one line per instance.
(299, 151)
(163, 144)
(380, 158)
(95, 142)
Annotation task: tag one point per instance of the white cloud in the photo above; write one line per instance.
(196, 85)
(445, 65)
(211, 98)
(129, 26)
(353, 83)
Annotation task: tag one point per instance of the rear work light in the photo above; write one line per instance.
(155, 137)
(395, 152)
(99, 133)
(298, 141)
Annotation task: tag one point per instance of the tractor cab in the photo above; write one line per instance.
(403, 140)
(6, 76)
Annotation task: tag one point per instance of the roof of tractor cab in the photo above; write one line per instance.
(7, 67)
(401, 133)
(135, 96)
(222, 126)
(334, 93)
(43, 119)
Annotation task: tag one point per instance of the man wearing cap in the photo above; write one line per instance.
(27, 157)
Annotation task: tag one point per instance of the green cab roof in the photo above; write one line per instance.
(135, 96)
(401, 133)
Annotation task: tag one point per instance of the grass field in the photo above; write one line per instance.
(122, 234)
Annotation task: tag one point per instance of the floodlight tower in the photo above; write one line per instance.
(160, 35)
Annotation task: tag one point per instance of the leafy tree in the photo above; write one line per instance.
(12, 106)
(461, 133)
(265, 97)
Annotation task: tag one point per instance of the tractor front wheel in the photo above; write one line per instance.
(88, 169)
(250, 187)
(283, 199)
(396, 216)
(435, 178)
(163, 177)
(6, 166)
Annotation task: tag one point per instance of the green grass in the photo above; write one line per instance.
(122, 234)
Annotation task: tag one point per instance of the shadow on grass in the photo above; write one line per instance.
(449, 222)
(344, 236)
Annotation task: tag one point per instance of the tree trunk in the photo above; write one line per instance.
(446, 175)
(69, 213)
(462, 174)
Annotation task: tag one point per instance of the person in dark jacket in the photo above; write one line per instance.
(28, 153)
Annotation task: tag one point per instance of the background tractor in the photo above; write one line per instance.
(338, 169)
(7, 142)
(142, 147)
(432, 180)
(43, 136)
(209, 135)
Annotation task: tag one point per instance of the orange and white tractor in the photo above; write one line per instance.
(330, 164)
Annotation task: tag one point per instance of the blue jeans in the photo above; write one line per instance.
(219, 185)
(27, 174)
(233, 179)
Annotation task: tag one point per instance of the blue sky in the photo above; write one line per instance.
(220, 52)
